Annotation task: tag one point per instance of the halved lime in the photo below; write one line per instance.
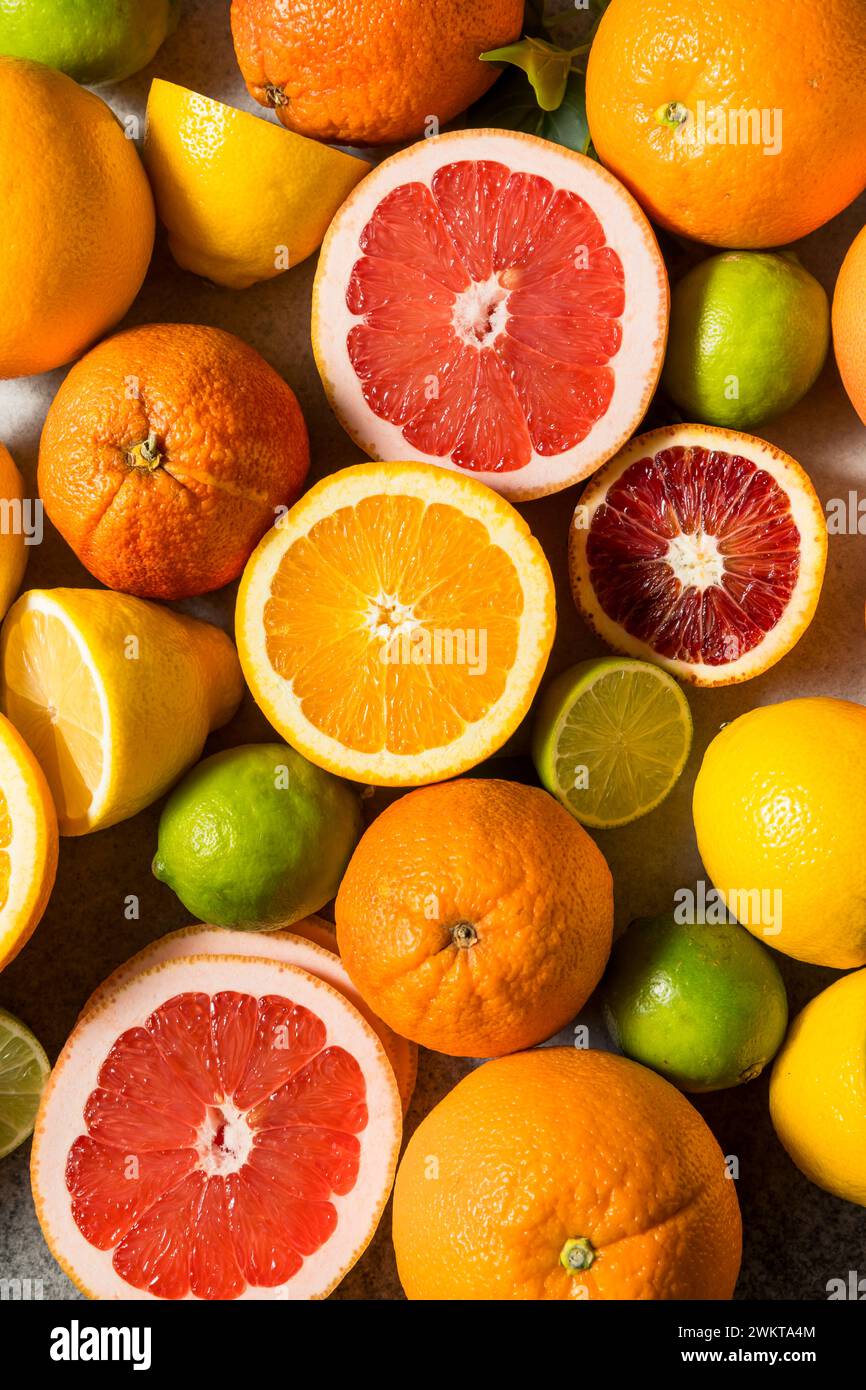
(24, 1070)
(611, 738)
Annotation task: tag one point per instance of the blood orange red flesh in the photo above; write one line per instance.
(215, 1128)
(310, 945)
(490, 302)
(703, 549)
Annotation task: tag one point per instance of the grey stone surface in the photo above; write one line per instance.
(796, 1237)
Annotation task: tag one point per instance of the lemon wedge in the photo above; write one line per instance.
(243, 199)
(114, 695)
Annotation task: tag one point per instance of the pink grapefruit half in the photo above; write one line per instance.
(702, 549)
(310, 944)
(491, 302)
(215, 1128)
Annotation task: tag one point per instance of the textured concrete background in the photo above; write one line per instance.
(796, 1237)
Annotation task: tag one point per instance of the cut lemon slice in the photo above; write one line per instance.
(28, 842)
(611, 739)
(395, 624)
(24, 1070)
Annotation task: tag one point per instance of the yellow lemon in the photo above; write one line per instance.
(818, 1089)
(28, 842)
(114, 695)
(780, 816)
(242, 199)
(13, 551)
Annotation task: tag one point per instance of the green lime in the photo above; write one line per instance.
(91, 40)
(257, 837)
(24, 1071)
(611, 738)
(704, 1005)
(748, 337)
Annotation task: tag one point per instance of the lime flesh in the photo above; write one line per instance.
(24, 1070)
(703, 1004)
(611, 738)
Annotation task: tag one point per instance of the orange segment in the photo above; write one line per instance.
(394, 626)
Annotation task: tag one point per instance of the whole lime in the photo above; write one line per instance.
(749, 333)
(91, 40)
(704, 1005)
(256, 837)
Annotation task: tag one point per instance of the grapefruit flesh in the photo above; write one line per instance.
(311, 945)
(703, 549)
(215, 1129)
(490, 302)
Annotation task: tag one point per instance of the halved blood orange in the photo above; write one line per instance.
(702, 549)
(491, 302)
(310, 945)
(216, 1128)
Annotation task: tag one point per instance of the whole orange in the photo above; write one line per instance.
(475, 916)
(166, 455)
(560, 1174)
(371, 72)
(78, 218)
(849, 323)
(731, 121)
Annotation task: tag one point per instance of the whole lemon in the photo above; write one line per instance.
(780, 815)
(78, 218)
(818, 1089)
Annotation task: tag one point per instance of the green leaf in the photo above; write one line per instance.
(512, 105)
(568, 125)
(546, 66)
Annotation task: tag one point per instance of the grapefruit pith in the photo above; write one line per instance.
(702, 549)
(303, 946)
(491, 302)
(216, 1128)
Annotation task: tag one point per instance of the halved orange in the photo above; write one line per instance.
(395, 624)
(28, 842)
(702, 549)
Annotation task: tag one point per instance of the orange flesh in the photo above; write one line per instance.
(416, 602)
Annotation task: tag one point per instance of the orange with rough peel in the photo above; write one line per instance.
(77, 215)
(476, 917)
(731, 121)
(849, 323)
(309, 944)
(371, 72)
(165, 456)
(702, 549)
(215, 1128)
(395, 624)
(565, 1174)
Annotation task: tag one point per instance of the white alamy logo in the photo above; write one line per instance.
(723, 125)
(77, 1343)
